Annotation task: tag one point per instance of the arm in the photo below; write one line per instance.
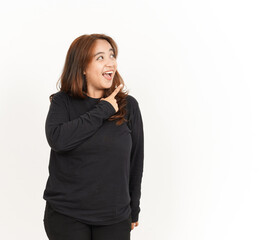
(136, 159)
(64, 135)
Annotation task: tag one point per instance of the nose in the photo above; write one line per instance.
(111, 63)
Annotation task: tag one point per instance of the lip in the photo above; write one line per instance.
(109, 71)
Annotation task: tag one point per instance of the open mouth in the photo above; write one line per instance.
(108, 75)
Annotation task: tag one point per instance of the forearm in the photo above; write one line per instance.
(66, 135)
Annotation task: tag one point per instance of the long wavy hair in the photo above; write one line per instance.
(72, 80)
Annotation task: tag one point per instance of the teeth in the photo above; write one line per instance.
(108, 72)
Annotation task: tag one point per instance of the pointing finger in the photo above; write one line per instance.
(116, 90)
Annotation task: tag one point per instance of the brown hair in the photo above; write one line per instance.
(73, 81)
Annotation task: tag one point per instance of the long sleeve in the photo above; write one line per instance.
(63, 134)
(136, 159)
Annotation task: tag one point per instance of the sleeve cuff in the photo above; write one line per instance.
(110, 110)
(135, 215)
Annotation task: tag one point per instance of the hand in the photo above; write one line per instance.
(135, 224)
(111, 99)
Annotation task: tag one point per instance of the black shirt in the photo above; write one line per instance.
(95, 166)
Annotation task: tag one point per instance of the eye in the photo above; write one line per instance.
(114, 56)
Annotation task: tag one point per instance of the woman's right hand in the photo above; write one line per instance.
(111, 99)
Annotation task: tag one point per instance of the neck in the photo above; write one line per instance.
(93, 93)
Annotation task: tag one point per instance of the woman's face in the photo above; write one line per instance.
(103, 61)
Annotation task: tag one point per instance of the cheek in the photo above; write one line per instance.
(96, 74)
(95, 69)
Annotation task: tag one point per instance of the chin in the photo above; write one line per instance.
(107, 87)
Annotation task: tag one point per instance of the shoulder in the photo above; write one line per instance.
(134, 113)
(132, 102)
(132, 107)
(59, 97)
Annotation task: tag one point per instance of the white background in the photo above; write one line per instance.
(206, 76)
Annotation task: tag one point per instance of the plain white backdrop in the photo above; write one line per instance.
(206, 76)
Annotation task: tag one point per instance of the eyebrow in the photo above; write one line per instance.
(111, 49)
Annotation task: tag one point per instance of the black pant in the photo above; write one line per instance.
(62, 227)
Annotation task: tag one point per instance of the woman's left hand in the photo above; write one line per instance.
(134, 225)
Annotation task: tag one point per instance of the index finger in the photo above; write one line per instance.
(116, 90)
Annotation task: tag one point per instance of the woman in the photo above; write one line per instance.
(95, 132)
